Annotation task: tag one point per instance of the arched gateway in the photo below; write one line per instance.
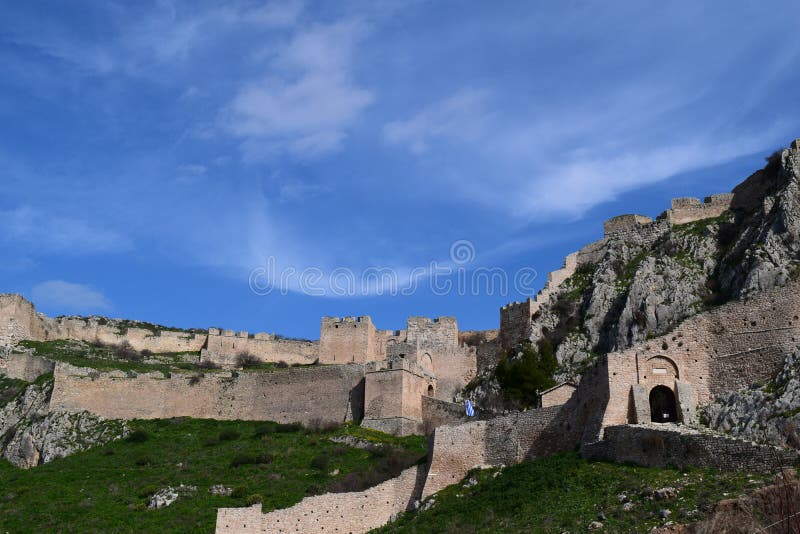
(662, 405)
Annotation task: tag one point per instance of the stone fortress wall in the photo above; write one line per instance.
(224, 346)
(327, 393)
(332, 512)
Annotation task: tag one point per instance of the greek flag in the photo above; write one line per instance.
(470, 409)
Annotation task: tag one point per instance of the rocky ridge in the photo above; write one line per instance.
(628, 288)
(31, 435)
(768, 414)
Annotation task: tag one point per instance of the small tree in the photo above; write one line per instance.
(523, 377)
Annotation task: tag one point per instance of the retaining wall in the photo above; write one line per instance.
(329, 393)
(652, 446)
(354, 512)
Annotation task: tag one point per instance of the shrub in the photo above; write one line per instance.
(254, 499)
(208, 364)
(523, 378)
(195, 379)
(147, 353)
(317, 424)
(251, 459)
(229, 435)
(210, 442)
(143, 460)
(124, 351)
(246, 360)
(239, 492)
(138, 436)
(320, 462)
(282, 365)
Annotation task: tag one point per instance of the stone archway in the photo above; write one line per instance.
(663, 408)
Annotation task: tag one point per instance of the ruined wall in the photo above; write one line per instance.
(330, 393)
(224, 346)
(502, 440)
(681, 447)
(688, 209)
(24, 366)
(724, 349)
(349, 339)
(18, 320)
(354, 512)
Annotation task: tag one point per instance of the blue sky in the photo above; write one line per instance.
(156, 157)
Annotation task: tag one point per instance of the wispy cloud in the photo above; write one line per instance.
(38, 230)
(68, 297)
(308, 98)
(460, 117)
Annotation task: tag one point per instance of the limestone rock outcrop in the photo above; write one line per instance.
(31, 435)
(770, 413)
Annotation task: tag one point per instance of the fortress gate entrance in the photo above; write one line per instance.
(662, 405)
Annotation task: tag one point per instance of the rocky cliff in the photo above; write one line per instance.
(769, 413)
(31, 435)
(641, 283)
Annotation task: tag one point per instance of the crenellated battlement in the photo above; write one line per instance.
(689, 209)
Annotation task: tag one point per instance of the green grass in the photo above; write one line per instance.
(106, 489)
(563, 493)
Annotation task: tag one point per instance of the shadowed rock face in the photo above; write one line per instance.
(31, 435)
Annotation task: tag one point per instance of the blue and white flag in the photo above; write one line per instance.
(470, 409)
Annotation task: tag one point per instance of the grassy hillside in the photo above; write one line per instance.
(106, 489)
(564, 493)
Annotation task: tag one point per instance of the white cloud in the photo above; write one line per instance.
(308, 99)
(460, 117)
(43, 231)
(67, 297)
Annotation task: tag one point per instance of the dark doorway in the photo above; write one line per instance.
(662, 405)
(430, 391)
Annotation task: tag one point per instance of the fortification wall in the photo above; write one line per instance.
(641, 233)
(558, 395)
(18, 320)
(724, 349)
(502, 440)
(515, 322)
(94, 330)
(453, 370)
(329, 393)
(439, 334)
(681, 447)
(354, 512)
(393, 394)
(224, 346)
(436, 413)
(349, 339)
(24, 366)
(515, 318)
(688, 209)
